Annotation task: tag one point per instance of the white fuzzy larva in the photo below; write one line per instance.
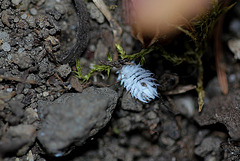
(138, 82)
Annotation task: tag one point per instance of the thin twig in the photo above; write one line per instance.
(180, 89)
(57, 76)
(221, 74)
(17, 79)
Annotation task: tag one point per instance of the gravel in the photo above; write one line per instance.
(6, 46)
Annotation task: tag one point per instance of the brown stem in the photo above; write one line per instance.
(220, 66)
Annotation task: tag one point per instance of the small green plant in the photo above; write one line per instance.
(132, 57)
(96, 68)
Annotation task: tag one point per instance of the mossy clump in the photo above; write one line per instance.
(194, 47)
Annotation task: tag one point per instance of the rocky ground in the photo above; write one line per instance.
(47, 114)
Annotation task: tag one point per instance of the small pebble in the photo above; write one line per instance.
(25, 91)
(234, 46)
(33, 11)
(16, 19)
(20, 50)
(9, 56)
(6, 46)
(4, 36)
(24, 5)
(64, 70)
(22, 60)
(232, 78)
(92, 48)
(24, 16)
(45, 94)
(5, 18)
(9, 89)
(234, 27)
(151, 115)
(52, 31)
(31, 115)
(60, 9)
(31, 21)
(185, 105)
(16, 2)
(30, 156)
(95, 13)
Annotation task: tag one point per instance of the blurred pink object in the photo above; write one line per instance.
(157, 20)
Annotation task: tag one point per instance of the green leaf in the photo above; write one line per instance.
(109, 57)
(142, 61)
(120, 50)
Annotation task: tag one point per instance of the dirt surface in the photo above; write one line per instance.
(47, 114)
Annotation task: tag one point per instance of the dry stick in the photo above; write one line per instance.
(116, 29)
(17, 79)
(60, 80)
(221, 74)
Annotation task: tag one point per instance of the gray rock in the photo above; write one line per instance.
(33, 11)
(208, 145)
(23, 60)
(24, 5)
(20, 50)
(22, 133)
(5, 18)
(4, 36)
(171, 130)
(95, 13)
(60, 9)
(16, 19)
(24, 16)
(213, 88)
(16, 2)
(17, 111)
(16, 107)
(200, 136)
(6, 47)
(74, 117)
(64, 70)
(46, 68)
(31, 116)
(101, 50)
(225, 110)
(185, 105)
(129, 103)
(31, 21)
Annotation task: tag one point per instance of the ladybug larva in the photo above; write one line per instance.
(139, 82)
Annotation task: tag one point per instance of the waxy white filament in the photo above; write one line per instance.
(139, 82)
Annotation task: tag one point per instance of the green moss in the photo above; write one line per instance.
(202, 27)
(140, 54)
(96, 68)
